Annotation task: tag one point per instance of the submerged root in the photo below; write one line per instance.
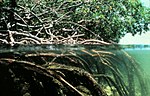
(28, 78)
(71, 73)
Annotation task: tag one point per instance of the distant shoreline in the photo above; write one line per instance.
(136, 47)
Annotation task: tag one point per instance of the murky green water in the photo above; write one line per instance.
(142, 57)
(103, 60)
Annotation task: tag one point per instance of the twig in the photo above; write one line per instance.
(25, 34)
(28, 40)
(70, 22)
(11, 38)
(28, 26)
(3, 40)
(98, 41)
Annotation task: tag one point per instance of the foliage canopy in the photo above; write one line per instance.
(106, 20)
(112, 19)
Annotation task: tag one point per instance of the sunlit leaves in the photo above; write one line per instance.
(107, 19)
(114, 18)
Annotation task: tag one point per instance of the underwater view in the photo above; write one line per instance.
(141, 53)
(77, 70)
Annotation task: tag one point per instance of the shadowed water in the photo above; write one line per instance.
(113, 68)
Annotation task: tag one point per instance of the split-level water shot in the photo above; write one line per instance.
(74, 48)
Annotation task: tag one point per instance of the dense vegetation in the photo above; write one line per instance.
(36, 70)
(105, 20)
